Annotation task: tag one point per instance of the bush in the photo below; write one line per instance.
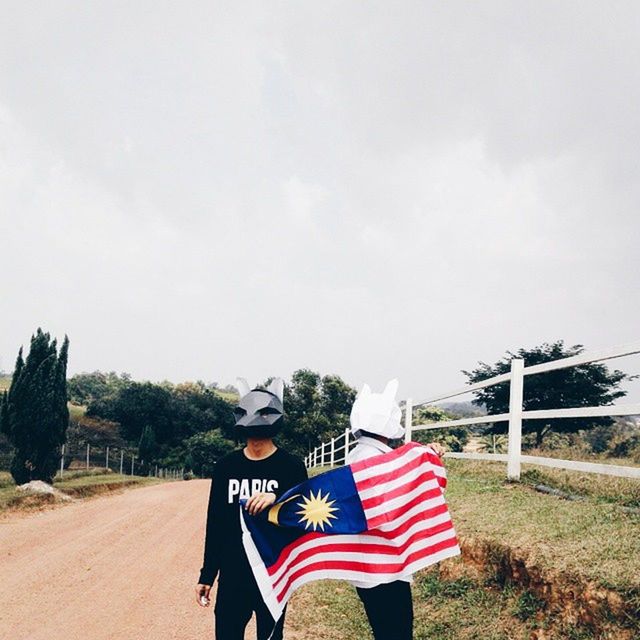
(205, 449)
(627, 448)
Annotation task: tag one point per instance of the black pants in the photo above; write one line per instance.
(237, 598)
(389, 608)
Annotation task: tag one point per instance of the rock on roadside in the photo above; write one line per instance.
(38, 486)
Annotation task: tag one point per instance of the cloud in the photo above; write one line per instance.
(243, 189)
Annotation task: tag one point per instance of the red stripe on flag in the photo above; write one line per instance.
(363, 567)
(374, 461)
(388, 535)
(375, 479)
(388, 516)
(366, 547)
(400, 490)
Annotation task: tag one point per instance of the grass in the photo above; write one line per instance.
(466, 607)
(229, 396)
(76, 411)
(578, 453)
(600, 488)
(78, 484)
(593, 538)
(530, 557)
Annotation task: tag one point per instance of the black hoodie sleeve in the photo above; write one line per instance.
(211, 562)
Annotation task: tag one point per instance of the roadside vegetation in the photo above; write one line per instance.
(532, 563)
(76, 485)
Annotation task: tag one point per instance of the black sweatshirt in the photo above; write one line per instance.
(237, 477)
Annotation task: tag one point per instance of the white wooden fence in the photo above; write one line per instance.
(514, 457)
(331, 453)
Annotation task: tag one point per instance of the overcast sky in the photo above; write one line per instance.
(374, 189)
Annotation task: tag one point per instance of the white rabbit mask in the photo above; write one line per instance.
(377, 413)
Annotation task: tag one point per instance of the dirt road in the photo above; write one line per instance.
(115, 567)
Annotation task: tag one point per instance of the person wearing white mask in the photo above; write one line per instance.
(375, 420)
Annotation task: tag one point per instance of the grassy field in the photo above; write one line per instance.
(229, 396)
(76, 411)
(467, 607)
(593, 538)
(532, 563)
(77, 484)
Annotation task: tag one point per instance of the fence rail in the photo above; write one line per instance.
(516, 377)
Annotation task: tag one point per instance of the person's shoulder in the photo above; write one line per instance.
(228, 460)
(362, 451)
(289, 458)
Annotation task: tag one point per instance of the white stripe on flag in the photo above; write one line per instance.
(379, 578)
(386, 487)
(260, 573)
(373, 559)
(387, 467)
(396, 503)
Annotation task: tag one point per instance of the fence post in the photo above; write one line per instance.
(62, 462)
(346, 444)
(106, 461)
(132, 459)
(332, 459)
(408, 417)
(156, 473)
(87, 456)
(515, 418)
(121, 460)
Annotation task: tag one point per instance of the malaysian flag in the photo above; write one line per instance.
(376, 520)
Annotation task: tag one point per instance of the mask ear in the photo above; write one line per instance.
(391, 389)
(277, 388)
(364, 392)
(243, 387)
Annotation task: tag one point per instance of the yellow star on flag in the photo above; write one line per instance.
(316, 510)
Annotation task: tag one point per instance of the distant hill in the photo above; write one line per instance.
(229, 396)
(463, 409)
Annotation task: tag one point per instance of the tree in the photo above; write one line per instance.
(316, 407)
(580, 386)
(136, 406)
(204, 450)
(147, 446)
(85, 388)
(493, 443)
(34, 414)
(454, 438)
(172, 412)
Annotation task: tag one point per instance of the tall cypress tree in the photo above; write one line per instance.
(34, 413)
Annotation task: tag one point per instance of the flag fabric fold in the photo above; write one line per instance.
(375, 521)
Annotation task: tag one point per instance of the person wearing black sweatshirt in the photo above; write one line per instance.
(259, 473)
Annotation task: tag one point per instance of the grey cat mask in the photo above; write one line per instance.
(259, 413)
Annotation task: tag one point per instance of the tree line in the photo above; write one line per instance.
(191, 424)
